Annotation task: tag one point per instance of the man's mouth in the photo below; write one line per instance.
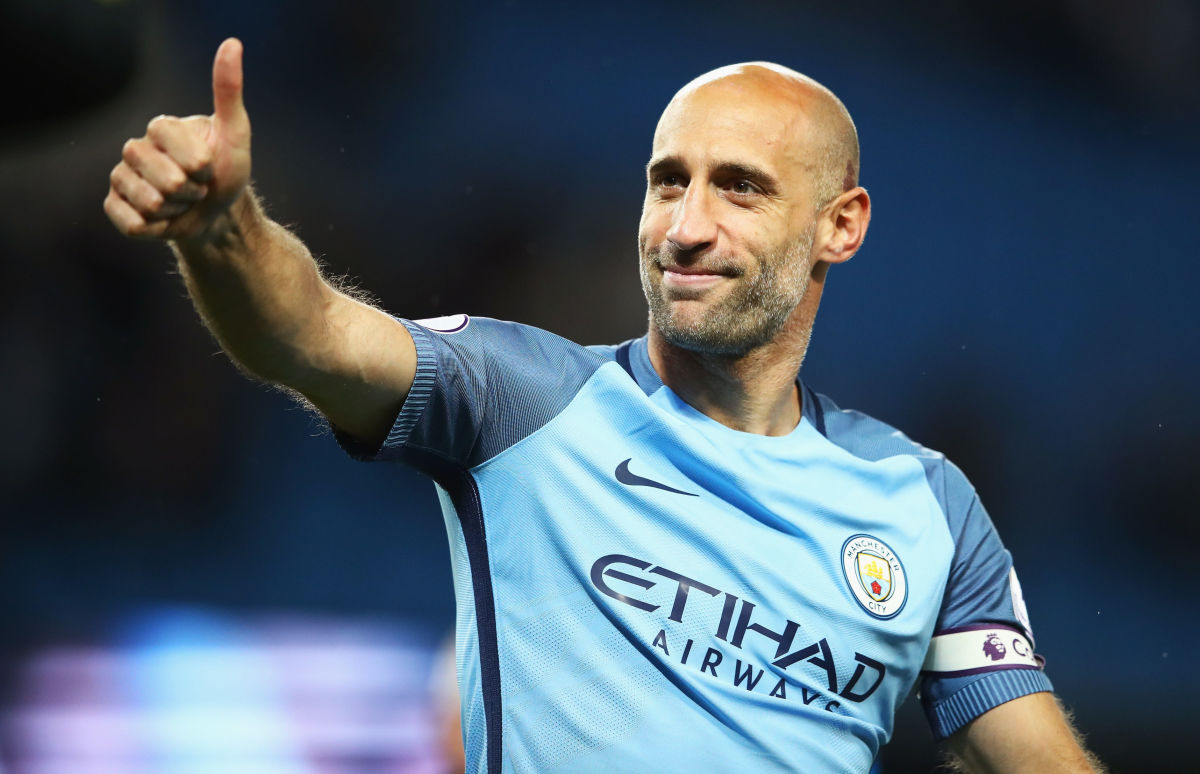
(679, 275)
(698, 269)
(693, 277)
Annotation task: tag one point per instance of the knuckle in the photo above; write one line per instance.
(199, 159)
(173, 180)
(152, 200)
(159, 123)
(125, 221)
(129, 151)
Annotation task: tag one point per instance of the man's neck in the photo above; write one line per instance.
(755, 393)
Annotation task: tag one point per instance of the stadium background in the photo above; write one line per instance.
(178, 544)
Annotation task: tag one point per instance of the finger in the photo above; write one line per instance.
(169, 210)
(135, 190)
(128, 220)
(161, 171)
(145, 198)
(229, 112)
(185, 141)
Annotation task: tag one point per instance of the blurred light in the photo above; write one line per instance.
(197, 691)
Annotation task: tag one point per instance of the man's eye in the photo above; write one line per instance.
(742, 187)
(670, 181)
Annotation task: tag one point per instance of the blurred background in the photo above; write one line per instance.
(195, 578)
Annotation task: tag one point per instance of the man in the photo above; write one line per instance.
(670, 555)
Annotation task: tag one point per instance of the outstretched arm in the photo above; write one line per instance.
(1026, 734)
(255, 284)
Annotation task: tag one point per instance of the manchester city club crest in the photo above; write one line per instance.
(875, 575)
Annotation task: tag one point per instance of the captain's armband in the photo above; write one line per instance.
(979, 648)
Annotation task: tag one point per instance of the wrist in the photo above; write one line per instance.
(230, 227)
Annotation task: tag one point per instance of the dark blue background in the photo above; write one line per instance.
(1025, 301)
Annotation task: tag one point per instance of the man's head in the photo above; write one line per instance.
(751, 193)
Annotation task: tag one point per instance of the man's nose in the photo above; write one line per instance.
(692, 225)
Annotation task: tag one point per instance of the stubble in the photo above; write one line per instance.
(749, 316)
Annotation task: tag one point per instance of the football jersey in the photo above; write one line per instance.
(641, 588)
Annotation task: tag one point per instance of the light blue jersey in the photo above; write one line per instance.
(641, 588)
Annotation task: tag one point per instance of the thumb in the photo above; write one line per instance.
(228, 111)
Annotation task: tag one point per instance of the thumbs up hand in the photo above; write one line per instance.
(179, 179)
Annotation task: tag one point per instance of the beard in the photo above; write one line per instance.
(751, 314)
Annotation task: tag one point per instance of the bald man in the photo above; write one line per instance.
(669, 554)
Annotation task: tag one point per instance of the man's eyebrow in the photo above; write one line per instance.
(737, 169)
(720, 169)
(664, 164)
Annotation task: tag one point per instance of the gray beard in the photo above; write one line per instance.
(749, 317)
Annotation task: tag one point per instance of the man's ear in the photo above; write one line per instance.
(842, 226)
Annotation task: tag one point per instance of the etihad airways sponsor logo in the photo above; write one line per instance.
(797, 659)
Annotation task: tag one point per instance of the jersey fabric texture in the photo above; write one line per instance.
(641, 588)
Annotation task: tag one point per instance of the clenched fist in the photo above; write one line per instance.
(179, 179)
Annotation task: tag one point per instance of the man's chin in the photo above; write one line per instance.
(695, 336)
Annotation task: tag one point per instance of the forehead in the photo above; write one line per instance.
(732, 120)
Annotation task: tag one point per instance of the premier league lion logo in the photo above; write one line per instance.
(993, 647)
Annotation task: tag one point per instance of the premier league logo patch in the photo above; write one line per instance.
(875, 575)
(449, 324)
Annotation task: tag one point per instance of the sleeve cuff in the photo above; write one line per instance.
(980, 695)
(410, 412)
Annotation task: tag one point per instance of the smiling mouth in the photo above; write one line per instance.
(692, 276)
(690, 279)
(690, 282)
(698, 270)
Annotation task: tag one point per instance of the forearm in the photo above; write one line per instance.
(1032, 733)
(259, 291)
(255, 284)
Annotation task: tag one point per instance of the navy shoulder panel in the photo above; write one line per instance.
(486, 385)
(873, 440)
(978, 589)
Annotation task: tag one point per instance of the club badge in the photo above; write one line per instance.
(875, 575)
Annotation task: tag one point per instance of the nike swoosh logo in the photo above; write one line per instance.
(632, 479)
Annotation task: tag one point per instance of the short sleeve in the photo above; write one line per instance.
(481, 385)
(981, 654)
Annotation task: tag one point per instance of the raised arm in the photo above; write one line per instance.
(256, 286)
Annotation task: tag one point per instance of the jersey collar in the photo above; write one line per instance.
(634, 357)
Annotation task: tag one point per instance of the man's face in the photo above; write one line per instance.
(728, 221)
